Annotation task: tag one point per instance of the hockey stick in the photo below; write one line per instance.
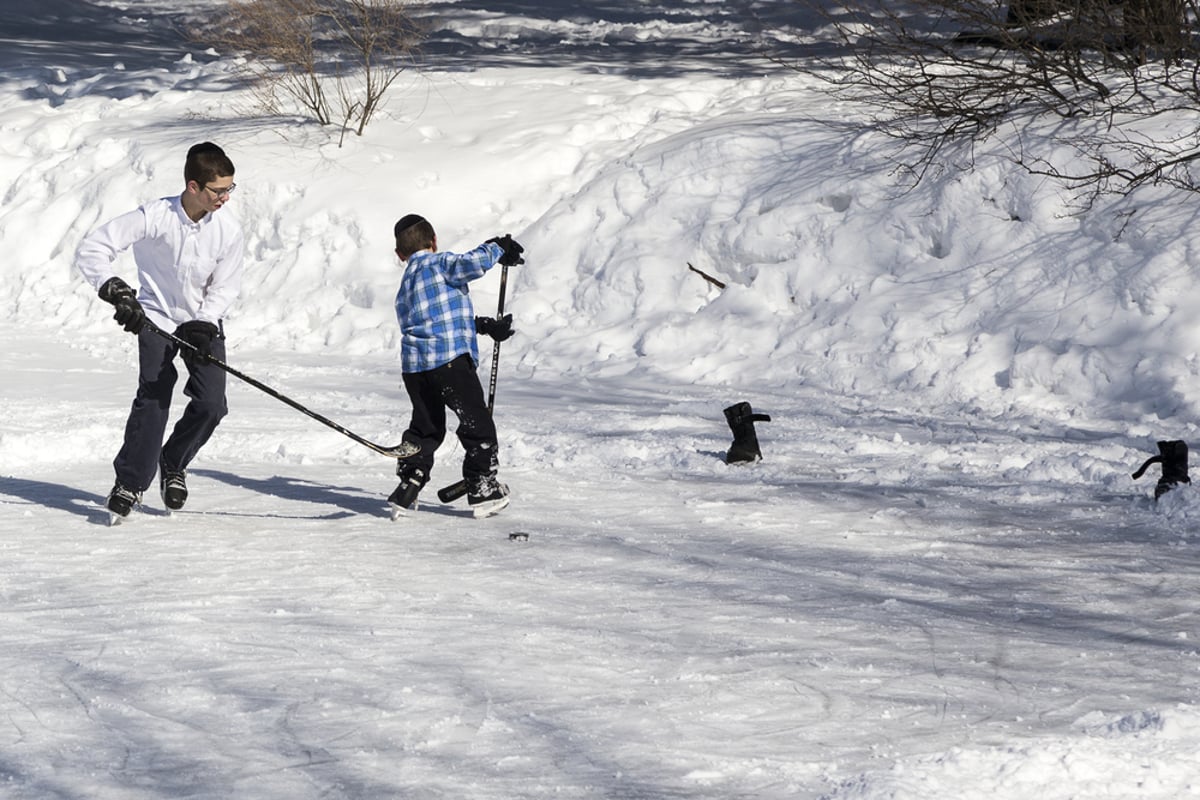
(448, 494)
(402, 450)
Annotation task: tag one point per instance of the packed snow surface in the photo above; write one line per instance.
(940, 581)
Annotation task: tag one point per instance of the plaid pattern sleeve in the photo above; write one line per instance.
(434, 306)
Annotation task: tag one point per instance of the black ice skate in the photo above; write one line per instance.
(486, 496)
(173, 486)
(404, 498)
(121, 501)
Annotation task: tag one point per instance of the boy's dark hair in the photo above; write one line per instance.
(413, 232)
(206, 161)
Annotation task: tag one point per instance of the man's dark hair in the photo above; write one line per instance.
(413, 232)
(206, 161)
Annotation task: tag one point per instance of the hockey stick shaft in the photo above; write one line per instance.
(496, 349)
(448, 494)
(402, 450)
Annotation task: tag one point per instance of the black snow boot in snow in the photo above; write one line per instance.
(741, 420)
(1174, 459)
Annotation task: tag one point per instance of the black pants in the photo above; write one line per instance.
(455, 386)
(139, 456)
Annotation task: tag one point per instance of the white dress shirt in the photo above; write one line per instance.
(186, 270)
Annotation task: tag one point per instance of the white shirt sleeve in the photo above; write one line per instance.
(99, 249)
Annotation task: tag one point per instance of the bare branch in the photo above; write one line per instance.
(328, 56)
(944, 72)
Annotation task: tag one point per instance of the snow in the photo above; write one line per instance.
(941, 580)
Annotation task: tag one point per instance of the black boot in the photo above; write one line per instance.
(1174, 459)
(741, 420)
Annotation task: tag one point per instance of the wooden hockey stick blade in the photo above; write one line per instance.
(402, 450)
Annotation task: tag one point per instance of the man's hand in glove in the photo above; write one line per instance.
(199, 334)
(498, 329)
(129, 314)
(512, 250)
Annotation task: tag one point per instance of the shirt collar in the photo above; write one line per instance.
(181, 212)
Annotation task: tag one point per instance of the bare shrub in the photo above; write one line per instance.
(954, 72)
(335, 58)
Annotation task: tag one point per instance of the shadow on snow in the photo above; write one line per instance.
(70, 40)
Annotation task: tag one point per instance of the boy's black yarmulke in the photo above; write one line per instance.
(406, 222)
(204, 147)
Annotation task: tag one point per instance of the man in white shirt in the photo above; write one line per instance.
(189, 266)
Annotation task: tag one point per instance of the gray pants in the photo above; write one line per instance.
(143, 449)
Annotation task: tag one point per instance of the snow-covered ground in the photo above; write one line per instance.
(941, 581)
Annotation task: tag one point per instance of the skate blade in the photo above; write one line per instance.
(115, 519)
(488, 509)
(399, 512)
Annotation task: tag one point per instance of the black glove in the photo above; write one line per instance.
(512, 250)
(498, 329)
(199, 334)
(129, 314)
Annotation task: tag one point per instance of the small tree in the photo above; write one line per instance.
(955, 71)
(336, 58)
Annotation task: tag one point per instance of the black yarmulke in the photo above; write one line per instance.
(406, 222)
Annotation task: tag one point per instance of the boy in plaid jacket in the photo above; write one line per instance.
(439, 355)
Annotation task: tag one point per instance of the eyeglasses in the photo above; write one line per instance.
(219, 193)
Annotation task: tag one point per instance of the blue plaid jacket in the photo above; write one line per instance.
(434, 306)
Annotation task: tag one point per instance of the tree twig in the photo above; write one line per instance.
(706, 276)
